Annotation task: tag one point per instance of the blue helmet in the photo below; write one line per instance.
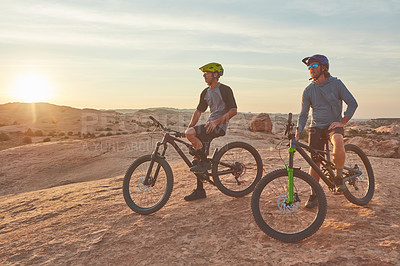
(322, 59)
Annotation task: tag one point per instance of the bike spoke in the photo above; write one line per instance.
(358, 184)
(144, 195)
(282, 217)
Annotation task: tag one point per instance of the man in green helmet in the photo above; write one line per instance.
(221, 101)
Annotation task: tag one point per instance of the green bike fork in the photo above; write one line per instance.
(289, 169)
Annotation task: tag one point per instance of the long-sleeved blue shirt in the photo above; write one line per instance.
(326, 101)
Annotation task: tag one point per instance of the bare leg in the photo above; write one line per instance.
(191, 136)
(339, 154)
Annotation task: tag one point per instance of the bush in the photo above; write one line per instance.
(38, 133)
(29, 132)
(27, 140)
(109, 134)
(88, 135)
(70, 133)
(4, 136)
(46, 140)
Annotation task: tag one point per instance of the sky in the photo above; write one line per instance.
(115, 54)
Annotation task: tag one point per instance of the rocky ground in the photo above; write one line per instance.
(61, 203)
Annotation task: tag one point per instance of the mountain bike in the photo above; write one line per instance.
(236, 169)
(278, 200)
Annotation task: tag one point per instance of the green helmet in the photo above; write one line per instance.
(213, 67)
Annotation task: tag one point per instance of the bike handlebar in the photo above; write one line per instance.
(290, 125)
(158, 124)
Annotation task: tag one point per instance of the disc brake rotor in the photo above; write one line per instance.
(142, 187)
(286, 207)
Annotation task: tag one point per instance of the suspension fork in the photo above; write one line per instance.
(154, 155)
(289, 169)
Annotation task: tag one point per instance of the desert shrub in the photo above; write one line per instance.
(108, 129)
(70, 133)
(4, 136)
(102, 135)
(38, 133)
(356, 132)
(46, 140)
(61, 134)
(109, 134)
(27, 140)
(29, 132)
(89, 135)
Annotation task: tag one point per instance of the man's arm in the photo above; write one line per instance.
(351, 107)
(343, 122)
(195, 118)
(349, 100)
(305, 109)
(226, 117)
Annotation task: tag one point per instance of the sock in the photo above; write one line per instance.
(199, 184)
(200, 153)
(339, 172)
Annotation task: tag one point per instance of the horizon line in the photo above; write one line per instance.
(176, 108)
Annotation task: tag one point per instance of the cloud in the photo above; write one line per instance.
(328, 8)
(95, 26)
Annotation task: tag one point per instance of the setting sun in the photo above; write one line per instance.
(31, 87)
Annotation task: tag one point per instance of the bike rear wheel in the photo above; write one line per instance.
(280, 220)
(238, 170)
(361, 188)
(146, 199)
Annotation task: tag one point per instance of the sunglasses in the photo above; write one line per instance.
(313, 66)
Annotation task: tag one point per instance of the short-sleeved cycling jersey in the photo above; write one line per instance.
(220, 100)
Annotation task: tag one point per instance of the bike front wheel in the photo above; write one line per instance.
(361, 185)
(238, 169)
(288, 222)
(147, 198)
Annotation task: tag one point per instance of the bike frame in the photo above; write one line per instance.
(300, 147)
(168, 139)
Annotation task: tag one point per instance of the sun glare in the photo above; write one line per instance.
(32, 87)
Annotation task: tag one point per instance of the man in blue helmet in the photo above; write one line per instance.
(325, 96)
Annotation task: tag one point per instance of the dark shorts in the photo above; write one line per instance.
(318, 135)
(204, 136)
